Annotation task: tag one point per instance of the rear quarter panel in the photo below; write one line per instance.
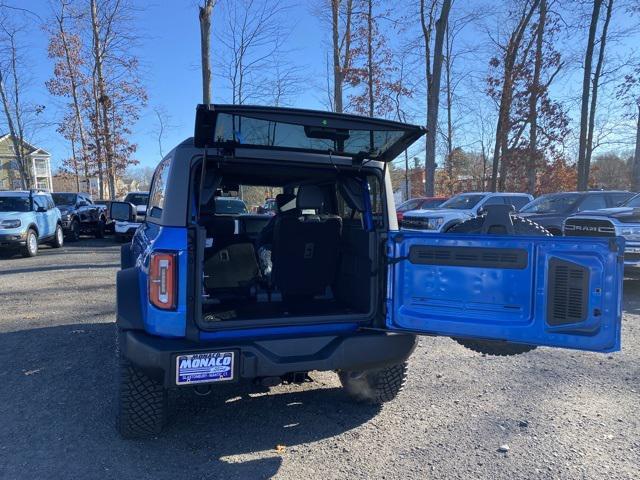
(150, 238)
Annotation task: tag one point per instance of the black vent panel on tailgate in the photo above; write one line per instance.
(568, 292)
(510, 258)
(588, 227)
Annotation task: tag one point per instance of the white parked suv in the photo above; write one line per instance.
(459, 208)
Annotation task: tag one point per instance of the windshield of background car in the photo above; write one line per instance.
(137, 199)
(432, 203)
(15, 204)
(555, 203)
(462, 202)
(633, 202)
(230, 206)
(408, 205)
(64, 198)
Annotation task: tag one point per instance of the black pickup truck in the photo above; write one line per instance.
(80, 215)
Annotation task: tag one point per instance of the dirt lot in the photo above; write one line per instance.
(563, 414)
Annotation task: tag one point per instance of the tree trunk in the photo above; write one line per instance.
(433, 99)
(586, 90)
(75, 162)
(533, 102)
(103, 101)
(205, 46)
(449, 100)
(370, 56)
(74, 96)
(595, 82)
(97, 139)
(337, 71)
(427, 24)
(636, 158)
(504, 125)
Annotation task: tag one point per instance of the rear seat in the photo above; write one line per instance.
(230, 262)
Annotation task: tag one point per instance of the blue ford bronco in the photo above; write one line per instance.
(329, 283)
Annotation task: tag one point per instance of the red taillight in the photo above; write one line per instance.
(400, 215)
(162, 280)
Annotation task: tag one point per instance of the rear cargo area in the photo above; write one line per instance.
(309, 260)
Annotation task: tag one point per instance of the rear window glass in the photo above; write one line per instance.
(137, 198)
(64, 198)
(267, 133)
(230, 206)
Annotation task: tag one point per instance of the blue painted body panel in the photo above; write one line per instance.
(504, 304)
(153, 238)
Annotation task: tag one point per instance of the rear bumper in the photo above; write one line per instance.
(272, 357)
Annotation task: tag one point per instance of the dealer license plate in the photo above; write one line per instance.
(204, 367)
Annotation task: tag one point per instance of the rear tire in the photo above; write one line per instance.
(142, 403)
(375, 386)
(31, 248)
(74, 230)
(521, 226)
(99, 232)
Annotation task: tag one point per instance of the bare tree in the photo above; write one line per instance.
(162, 125)
(509, 59)
(534, 95)
(12, 86)
(593, 82)
(204, 14)
(341, 43)
(253, 38)
(433, 98)
(68, 79)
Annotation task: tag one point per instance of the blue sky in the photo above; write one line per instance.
(169, 50)
(170, 55)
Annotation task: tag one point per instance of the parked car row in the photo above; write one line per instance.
(30, 218)
(593, 213)
(459, 208)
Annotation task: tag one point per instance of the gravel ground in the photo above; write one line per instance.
(563, 414)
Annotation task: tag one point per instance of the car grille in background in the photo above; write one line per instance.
(417, 223)
(568, 295)
(631, 257)
(578, 227)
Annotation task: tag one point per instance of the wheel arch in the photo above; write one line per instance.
(33, 226)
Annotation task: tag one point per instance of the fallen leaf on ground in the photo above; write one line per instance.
(280, 448)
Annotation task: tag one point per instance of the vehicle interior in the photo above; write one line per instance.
(312, 258)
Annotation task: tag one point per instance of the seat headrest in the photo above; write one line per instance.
(219, 225)
(285, 202)
(309, 197)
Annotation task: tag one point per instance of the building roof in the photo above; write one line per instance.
(32, 149)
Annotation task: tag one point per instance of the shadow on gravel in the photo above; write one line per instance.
(76, 266)
(57, 408)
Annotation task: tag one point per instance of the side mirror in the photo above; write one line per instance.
(82, 203)
(41, 209)
(122, 211)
